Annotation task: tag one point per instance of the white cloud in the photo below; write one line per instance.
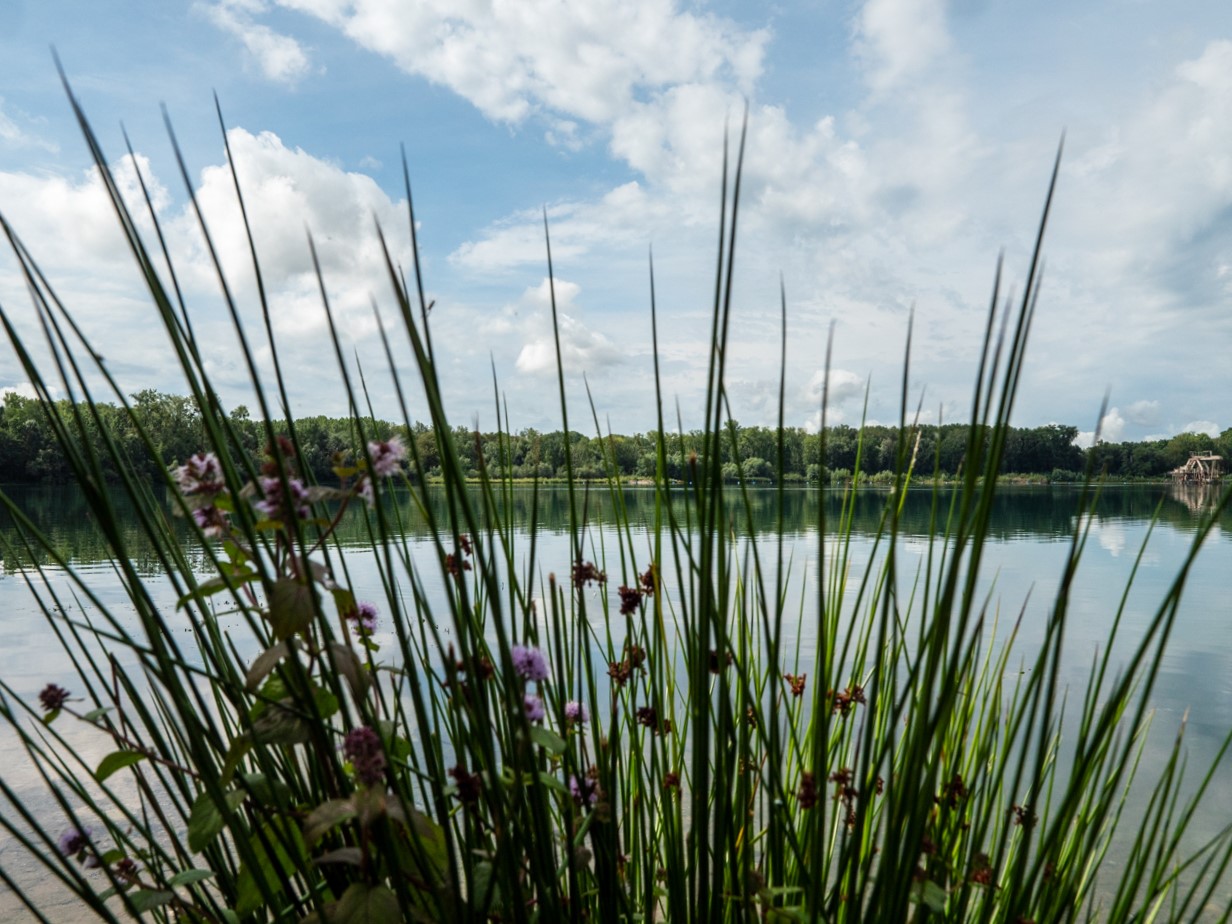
(1209, 427)
(581, 349)
(1144, 413)
(585, 61)
(845, 389)
(280, 57)
(1111, 427)
(900, 39)
(24, 389)
(70, 228)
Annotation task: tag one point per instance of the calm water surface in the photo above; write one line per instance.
(1030, 533)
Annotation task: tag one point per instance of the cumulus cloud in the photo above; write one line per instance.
(1144, 413)
(900, 39)
(581, 349)
(1209, 427)
(585, 61)
(845, 390)
(280, 57)
(69, 226)
(1111, 428)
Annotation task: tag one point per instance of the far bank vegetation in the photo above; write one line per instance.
(29, 454)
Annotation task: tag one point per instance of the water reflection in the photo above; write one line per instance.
(1043, 514)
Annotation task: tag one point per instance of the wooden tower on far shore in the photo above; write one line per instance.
(1202, 468)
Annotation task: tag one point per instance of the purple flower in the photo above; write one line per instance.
(529, 663)
(585, 791)
(386, 456)
(533, 706)
(366, 492)
(74, 841)
(364, 616)
(201, 474)
(213, 522)
(362, 747)
(275, 506)
(53, 697)
(576, 713)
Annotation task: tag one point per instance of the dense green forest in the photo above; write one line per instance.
(28, 451)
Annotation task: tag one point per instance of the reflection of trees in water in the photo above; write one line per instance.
(1198, 498)
(1042, 513)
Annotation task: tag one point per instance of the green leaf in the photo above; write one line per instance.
(235, 753)
(290, 607)
(95, 714)
(205, 821)
(346, 662)
(280, 723)
(189, 876)
(485, 891)
(278, 832)
(146, 899)
(116, 760)
(266, 661)
(266, 790)
(547, 739)
(397, 747)
(352, 856)
(51, 716)
(275, 698)
(365, 904)
(929, 894)
(326, 816)
(344, 600)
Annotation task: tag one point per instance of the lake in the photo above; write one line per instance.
(1028, 542)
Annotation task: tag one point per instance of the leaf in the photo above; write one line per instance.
(346, 662)
(280, 723)
(929, 894)
(95, 714)
(326, 816)
(365, 904)
(235, 753)
(146, 899)
(350, 855)
(547, 739)
(265, 662)
(116, 760)
(397, 747)
(322, 575)
(51, 717)
(205, 821)
(290, 607)
(189, 876)
(431, 839)
(266, 790)
(276, 833)
(485, 890)
(344, 600)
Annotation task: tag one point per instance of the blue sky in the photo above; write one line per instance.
(896, 147)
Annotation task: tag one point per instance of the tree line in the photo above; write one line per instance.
(29, 452)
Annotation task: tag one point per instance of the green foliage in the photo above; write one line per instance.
(29, 452)
(551, 749)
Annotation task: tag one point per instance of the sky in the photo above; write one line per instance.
(895, 149)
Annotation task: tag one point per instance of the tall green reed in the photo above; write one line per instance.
(550, 748)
